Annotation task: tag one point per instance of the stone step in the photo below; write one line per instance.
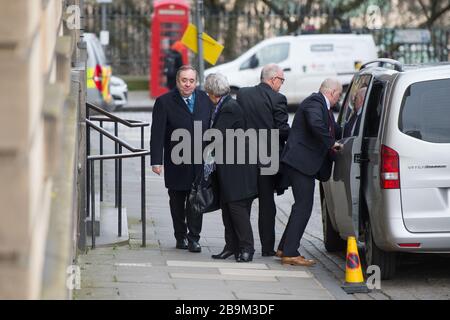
(109, 231)
(97, 218)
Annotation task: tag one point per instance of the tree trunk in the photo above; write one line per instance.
(229, 51)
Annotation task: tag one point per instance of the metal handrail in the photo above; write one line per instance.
(112, 137)
(120, 155)
(112, 118)
(128, 123)
(117, 156)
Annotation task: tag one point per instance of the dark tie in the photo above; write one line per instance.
(331, 123)
(331, 152)
(190, 105)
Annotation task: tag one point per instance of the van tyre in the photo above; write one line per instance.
(375, 256)
(331, 238)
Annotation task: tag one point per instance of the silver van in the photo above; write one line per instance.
(390, 185)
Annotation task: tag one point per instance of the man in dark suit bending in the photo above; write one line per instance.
(308, 155)
(178, 109)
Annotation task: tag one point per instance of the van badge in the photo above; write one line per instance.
(428, 166)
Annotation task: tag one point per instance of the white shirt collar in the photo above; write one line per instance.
(327, 101)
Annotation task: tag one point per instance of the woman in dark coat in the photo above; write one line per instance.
(237, 182)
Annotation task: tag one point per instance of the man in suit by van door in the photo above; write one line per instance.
(265, 108)
(178, 109)
(308, 156)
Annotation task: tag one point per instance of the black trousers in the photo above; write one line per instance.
(238, 229)
(267, 212)
(303, 191)
(185, 223)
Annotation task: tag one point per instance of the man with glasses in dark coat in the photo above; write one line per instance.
(266, 108)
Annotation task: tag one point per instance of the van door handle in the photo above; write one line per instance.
(357, 159)
(287, 69)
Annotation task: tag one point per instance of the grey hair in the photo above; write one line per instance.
(329, 85)
(269, 71)
(184, 68)
(217, 84)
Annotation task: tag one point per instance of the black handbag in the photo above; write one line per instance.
(204, 195)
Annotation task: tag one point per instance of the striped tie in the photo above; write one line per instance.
(190, 105)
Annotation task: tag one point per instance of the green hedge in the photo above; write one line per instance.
(136, 83)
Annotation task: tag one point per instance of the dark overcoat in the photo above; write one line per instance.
(236, 181)
(170, 112)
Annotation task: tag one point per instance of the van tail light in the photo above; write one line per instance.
(98, 77)
(389, 168)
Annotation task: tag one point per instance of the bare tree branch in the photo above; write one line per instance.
(292, 25)
(438, 14)
(425, 9)
(434, 14)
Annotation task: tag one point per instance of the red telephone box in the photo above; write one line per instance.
(169, 21)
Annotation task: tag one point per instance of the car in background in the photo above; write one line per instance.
(390, 184)
(119, 91)
(305, 59)
(98, 74)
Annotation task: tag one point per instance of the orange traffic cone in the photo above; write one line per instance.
(354, 280)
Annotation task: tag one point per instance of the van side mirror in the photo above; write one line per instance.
(254, 62)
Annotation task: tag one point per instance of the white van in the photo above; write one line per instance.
(306, 60)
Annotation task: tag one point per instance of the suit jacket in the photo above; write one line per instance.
(265, 108)
(170, 112)
(236, 181)
(309, 143)
(172, 63)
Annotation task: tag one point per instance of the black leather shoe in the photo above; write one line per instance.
(268, 253)
(194, 247)
(225, 254)
(245, 257)
(182, 244)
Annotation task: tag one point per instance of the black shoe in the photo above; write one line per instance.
(245, 257)
(182, 244)
(225, 254)
(268, 253)
(194, 246)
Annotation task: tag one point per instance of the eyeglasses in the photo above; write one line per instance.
(281, 79)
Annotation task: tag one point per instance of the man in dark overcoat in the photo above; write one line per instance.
(179, 109)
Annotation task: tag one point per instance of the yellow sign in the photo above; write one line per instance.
(211, 48)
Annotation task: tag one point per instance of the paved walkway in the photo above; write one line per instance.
(160, 271)
(138, 101)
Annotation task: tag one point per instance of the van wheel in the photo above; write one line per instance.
(331, 238)
(375, 256)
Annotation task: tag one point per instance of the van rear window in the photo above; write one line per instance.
(425, 111)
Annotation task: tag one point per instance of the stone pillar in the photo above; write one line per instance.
(35, 64)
